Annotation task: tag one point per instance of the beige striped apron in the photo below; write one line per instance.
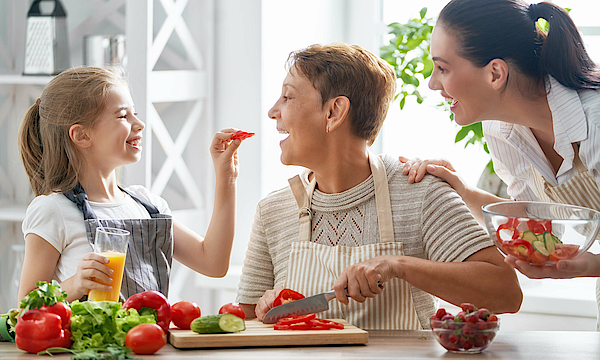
(581, 190)
(314, 268)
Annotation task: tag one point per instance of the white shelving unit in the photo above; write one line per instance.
(170, 45)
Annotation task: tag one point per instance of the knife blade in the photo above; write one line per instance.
(312, 304)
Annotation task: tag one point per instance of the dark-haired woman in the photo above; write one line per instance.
(539, 99)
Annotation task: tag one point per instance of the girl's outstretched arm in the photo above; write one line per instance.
(210, 255)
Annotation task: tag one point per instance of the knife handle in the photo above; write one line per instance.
(331, 293)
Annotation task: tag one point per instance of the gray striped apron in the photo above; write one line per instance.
(314, 268)
(580, 190)
(150, 248)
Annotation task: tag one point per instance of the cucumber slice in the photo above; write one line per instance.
(529, 236)
(540, 237)
(549, 242)
(222, 323)
(556, 240)
(540, 247)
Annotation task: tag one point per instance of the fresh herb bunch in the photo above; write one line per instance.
(109, 352)
(45, 294)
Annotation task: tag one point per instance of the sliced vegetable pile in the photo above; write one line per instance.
(536, 245)
(306, 322)
(470, 328)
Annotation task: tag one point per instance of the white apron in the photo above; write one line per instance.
(314, 268)
(581, 190)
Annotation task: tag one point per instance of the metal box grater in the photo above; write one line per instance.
(47, 45)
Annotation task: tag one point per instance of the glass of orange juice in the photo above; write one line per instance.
(112, 243)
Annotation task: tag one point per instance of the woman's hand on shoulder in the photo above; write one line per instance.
(265, 303)
(91, 268)
(223, 151)
(417, 168)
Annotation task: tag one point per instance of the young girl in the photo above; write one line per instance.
(72, 140)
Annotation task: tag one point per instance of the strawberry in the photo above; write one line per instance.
(468, 307)
(440, 313)
(492, 317)
(484, 313)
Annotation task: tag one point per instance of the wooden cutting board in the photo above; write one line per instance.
(259, 334)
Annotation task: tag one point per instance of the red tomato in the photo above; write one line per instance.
(564, 251)
(233, 309)
(183, 313)
(145, 339)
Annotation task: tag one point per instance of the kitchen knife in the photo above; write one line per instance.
(312, 304)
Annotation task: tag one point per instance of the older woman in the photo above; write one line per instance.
(353, 221)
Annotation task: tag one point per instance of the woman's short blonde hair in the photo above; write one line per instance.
(349, 70)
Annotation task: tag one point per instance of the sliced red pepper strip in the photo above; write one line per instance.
(281, 327)
(511, 224)
(152, 300)
(328, 324)
(539, 226)
(242, 135)
(295, 319)
(519, 248)
(287, 296)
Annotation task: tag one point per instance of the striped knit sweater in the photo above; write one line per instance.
(429, 217)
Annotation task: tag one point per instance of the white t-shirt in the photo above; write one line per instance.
(57, 220)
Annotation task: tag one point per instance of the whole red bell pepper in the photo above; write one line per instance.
(286, 296)
(37, 330)
(155, 301)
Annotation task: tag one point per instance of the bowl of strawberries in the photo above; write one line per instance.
(541, 233)
(470, 331)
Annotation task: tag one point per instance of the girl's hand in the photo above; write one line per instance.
(92, 268)
(224, 154)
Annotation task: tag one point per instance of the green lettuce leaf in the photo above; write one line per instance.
(96, 324)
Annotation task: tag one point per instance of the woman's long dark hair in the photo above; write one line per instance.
(506, 29)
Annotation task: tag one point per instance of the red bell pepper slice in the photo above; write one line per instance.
(295, 319)
(152, 300)
(326, 324)
(37, 331)
(539, 226)
(511, 224)
(519, 248)
(242, 135)
(287, 296)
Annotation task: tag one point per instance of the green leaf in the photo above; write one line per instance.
(490, 166)
(402, 102)
(462, 133)
(44, 294)
(423, 12)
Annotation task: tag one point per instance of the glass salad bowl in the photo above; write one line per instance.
(541, 233)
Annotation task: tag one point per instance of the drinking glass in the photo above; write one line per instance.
(111, 243)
